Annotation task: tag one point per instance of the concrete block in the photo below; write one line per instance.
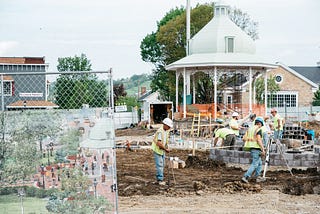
(222, 152)
(230, 153)
(299, 156)
(244, 161)
(173, 164)
(234, 160)
(295, 163)
(181, 164)
(274, 156)
(310, 163)
(312, 157)
(288, 156)
(226, 159)
(279, 163)
(236, 154)
(271, 162)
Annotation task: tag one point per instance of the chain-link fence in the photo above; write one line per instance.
(57, 140)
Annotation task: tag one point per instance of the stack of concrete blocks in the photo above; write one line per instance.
(293, 131)
(175, 163)
(294, 136)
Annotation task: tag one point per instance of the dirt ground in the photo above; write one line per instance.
(206, 186)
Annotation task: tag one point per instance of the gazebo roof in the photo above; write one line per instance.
(220, 60)
(210, 46)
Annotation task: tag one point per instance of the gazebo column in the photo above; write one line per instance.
(215, 79)
(265, 92)
(188, 82)
(250, 89)
(184, 93)
(193, 89)
(177, 90)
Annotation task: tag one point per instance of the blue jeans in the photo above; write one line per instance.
(278, 134)
(256, 165)
(159, 160)
(265, 139)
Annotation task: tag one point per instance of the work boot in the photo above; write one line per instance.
(245, 180)
(260, 179)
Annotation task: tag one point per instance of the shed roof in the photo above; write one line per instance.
(32, 104)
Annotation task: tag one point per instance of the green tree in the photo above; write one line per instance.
(74, 198)
(131, 102)
(167, 44)
(22, 162)
(119, 91)
(273, 87)
(316, 98)
(75, 89)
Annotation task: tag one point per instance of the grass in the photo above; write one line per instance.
(11, 204)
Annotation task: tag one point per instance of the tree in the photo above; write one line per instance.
(316, 98)
(167, 44)
(273, 87)
(243, 20)
(74, 198)
(119, 91)
(73, 90)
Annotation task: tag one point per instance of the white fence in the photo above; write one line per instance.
(125, 119)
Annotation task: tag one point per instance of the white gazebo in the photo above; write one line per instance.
(219, 48)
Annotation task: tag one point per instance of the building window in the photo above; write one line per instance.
(278, 78)
(7, 88)
(229, 44)
(229, 99)
(281, 99)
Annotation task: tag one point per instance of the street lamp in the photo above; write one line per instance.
(20, 195)
(42, 173)
(95, 183)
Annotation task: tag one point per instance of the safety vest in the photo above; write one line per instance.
(234, 122)
(275, 122)
(223, 132)
(154, 146)
(250, 138)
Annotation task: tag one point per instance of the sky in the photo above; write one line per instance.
(109, 32)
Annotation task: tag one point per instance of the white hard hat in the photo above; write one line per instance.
(168, 122)
(235, 114)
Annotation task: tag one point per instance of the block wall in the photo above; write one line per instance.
(308, 159)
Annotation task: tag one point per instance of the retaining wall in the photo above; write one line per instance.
(306, 159)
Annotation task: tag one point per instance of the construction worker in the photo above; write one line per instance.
(278, 122)
(160, 146)
(252, 119)
(234, 125)
(227, 135)
(253, 143)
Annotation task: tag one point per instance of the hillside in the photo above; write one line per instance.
(131, 84)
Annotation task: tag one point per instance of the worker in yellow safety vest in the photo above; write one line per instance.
(278, 123)
(227, 135)
(234, 124)
(253, 143)
(160, 146)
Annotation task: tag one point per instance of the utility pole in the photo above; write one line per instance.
(188, 26)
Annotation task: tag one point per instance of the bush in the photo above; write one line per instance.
(29, 191)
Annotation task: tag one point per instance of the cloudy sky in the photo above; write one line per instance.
(109, 32)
